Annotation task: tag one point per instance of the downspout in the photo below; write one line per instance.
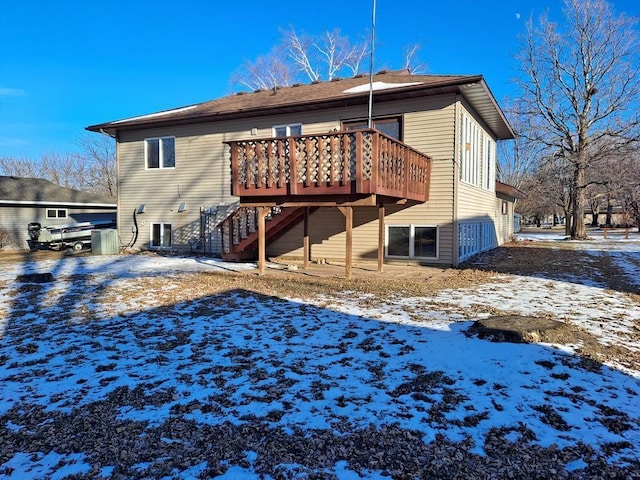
(456, 176)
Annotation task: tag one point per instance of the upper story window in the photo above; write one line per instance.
(287, 130)
(160, 152)
(56, 213)
(477, 154)
(390, 126)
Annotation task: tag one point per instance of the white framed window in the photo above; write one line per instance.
(160, 152)
(477, 154)
(412, 241)
(57, 213)
(287, 130)
(160, 235)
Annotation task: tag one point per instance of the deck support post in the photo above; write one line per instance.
(381, 238)
(348, 214)
(307, 240)
(262, 242)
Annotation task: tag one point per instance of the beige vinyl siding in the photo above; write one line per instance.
(201, 177)
(504, 222)
(429, 128)
(478, 216)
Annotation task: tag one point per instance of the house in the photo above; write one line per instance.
(297, 172)
(35, 200)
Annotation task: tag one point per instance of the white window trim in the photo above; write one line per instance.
(412, 228)
(159, 247)
(66, 212)
(477, 154)
(287, 126)
(160, 153)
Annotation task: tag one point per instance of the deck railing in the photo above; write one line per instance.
(344, 162)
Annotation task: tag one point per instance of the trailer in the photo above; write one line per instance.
(59, 237)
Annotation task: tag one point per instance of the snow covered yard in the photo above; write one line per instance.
(160, 367)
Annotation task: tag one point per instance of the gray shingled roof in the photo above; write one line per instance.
(40, 191)
(336, 93)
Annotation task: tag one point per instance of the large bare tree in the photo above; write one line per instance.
(302, 58)
(581, 89)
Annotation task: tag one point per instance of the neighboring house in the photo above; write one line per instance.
(420, 187)
(28, 200)
(509, 222)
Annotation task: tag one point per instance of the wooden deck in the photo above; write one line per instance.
(339, 169)
(351, 164)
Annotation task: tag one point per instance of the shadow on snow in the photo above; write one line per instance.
(91, 384)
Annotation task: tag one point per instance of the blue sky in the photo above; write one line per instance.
(66, 65)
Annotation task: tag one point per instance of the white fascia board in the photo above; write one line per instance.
(58, 204)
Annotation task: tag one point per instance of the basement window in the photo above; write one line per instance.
(412, 241)
(160, 235)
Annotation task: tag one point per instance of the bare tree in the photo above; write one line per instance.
(266, 72)
(412, 63)
(301, 57)
(98, 154)
(630, 190)
(18, 167)
(322, 57)
(61, 169)
(519, 159)
(581, 89)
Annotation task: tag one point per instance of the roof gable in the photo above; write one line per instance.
(40, 191)
(320, 95)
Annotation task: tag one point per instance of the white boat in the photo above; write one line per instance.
(76, 236)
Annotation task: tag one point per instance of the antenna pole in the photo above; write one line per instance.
(373, 40)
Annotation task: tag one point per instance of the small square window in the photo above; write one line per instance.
(56, 213)
(287, 130)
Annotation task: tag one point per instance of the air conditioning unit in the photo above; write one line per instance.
(105, 241)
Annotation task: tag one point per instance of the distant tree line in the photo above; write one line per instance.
(92, 168)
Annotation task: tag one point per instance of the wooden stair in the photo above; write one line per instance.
(240, 232)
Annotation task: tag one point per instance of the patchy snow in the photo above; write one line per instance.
(312, 364)
(157, 114)
(379, 86)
